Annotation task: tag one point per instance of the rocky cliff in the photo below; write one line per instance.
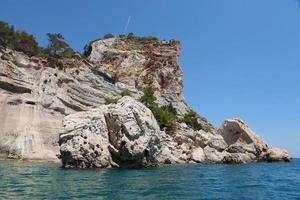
(140, 64)
(47, 111)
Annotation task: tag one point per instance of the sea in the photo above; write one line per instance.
(26, 180)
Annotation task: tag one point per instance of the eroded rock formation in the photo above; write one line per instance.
(118, 135)
(126, 134)
(37, 103)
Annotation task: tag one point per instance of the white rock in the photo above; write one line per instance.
(236, 132)
(125, 134)
(198, 155)
(214, 156)
(276, 154)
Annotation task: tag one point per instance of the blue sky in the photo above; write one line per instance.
(240, 58)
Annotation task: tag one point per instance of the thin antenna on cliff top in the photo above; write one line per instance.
(127, 24)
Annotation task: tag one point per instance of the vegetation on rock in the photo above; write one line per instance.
(110, 101)
(165, 119)
(108, 35)
(148, 99)
(18, 40)
(26, 43)
(58, 47)
(165, 115)
(126, 93)
(191, 119)
(138, 38)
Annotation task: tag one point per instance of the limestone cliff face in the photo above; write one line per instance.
(141, 64)
(48, 111)
(35, 98)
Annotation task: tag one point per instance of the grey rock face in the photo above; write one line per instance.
(142, 64)
(38, 102)
(233, 142)
(118, 135)
(34, 99)
(129, 137)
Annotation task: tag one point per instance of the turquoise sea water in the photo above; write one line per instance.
(19, 180)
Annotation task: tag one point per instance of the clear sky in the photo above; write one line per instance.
(241, 58)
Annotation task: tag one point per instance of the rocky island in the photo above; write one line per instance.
(118, 105)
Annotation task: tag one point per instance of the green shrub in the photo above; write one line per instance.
(149, 38)
(126, 93)
(108, 35)
(18, 40)
(207, 128)
(148, 99)
(6, 34)
(165, 119)
(54, 63)
(130, 35)
(25, 43)
(110, 101)
(58, 48)
(165, 115)
(170, 109)
(191, 119)
(143, 38)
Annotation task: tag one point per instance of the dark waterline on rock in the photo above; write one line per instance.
(21, 180)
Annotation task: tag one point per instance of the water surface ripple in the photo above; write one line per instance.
(21, 180)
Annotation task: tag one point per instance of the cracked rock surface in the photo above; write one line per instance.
(126, 134)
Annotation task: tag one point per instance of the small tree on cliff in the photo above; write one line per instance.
(108, 35)
(6, 34)
(17, 40)
(148, 99)
(26, 43)
(58, 48)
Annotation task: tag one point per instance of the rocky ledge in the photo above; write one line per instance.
(126, 134)
(48, 111)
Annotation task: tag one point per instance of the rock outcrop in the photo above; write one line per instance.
(141, 64)
(35, 98)
(126, 134)
(46, 111)
(276, 154)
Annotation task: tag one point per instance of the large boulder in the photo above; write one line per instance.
(125, 134)
(198, 155)
(246, 146)
(236, 132)
(276, 154)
